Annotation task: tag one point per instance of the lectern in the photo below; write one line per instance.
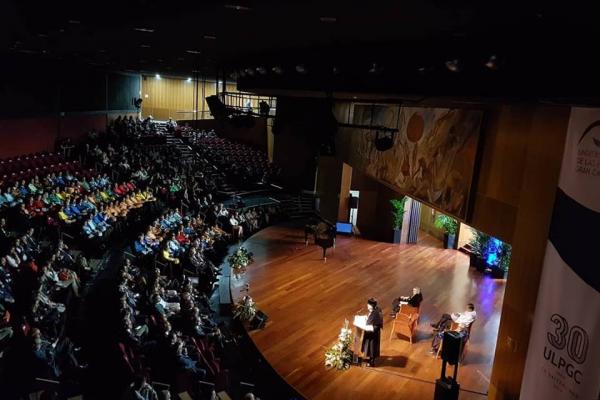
(360, 326)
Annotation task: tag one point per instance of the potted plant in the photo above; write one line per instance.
(450, 227)
(501, 270)
(398, 217)
(478, 244)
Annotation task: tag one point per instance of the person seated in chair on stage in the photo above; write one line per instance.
(463, 320)
(372, 335)
(413, 300)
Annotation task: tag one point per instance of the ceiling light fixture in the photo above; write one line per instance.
(301, 69)
(249, 71)
(328, 20)
(157, 76)
(492, 62)
(145, 30)
(277, 69)
(188, 80)
(145, 46)
(193, 51)
(375, 69)
(209, 37)
(74, 21)
(261, 70)
(237, 7)
(453, 65)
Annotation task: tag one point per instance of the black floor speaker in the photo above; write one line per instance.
(451, 347)
(259, 320)
(446, 389)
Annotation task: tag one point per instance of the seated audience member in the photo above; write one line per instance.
(463, 320)
(140, 390)
(6, 331)
(413, 300)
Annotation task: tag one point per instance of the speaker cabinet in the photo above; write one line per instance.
(446, 389)
(259, 320)
(451, 347)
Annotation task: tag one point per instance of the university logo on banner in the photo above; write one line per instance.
(563, 359)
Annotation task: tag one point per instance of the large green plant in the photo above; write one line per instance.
(448, 224)
(478, 242)
(397, 212)
(506, 254)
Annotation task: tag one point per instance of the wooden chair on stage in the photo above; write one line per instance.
(454, 327)
(409, 310)
(406, 322)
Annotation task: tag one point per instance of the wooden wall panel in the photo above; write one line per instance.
(167, 97)
(344, 197)
(544, 142)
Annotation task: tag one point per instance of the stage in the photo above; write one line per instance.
(307, 301)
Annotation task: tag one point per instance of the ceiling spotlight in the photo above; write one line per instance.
(145, 30)
(242, 73)
(301, 69)
(261, 70)
(193, 51)
(492, 62)
(249, 71)
(210, 37)
(328, 19)
(384, 140)
(237, 7)
(453, 65)
(157, 76)
(375, 69)
(188, 80)
(277, 69)
(233, 75)
(335, 70)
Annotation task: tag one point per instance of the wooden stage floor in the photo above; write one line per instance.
(307, 301)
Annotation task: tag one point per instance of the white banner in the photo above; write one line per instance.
(563, 359)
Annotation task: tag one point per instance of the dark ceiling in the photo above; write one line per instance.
(378, 46)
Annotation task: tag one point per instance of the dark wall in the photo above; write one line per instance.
(43, 102)
(30, 88)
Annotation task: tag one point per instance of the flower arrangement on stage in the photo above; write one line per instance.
(240, 259)
(339, 356)
(244, 309)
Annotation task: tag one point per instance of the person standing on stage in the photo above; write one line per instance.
(372, 335)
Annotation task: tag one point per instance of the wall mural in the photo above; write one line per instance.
(433, 156)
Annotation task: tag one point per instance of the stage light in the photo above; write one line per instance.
(375, 69)
(242, 73)
(492, 62)
(453, 65)
(301, 69)
(157, 76)
(249, 71)
(335, 70)
(261, 70)
(188, 80)
(384, 140)
(277, 69)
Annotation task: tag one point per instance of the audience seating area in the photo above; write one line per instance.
(153, 224)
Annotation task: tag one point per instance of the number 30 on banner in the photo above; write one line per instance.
(575, 339)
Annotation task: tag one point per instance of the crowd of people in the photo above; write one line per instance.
(168, 328)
